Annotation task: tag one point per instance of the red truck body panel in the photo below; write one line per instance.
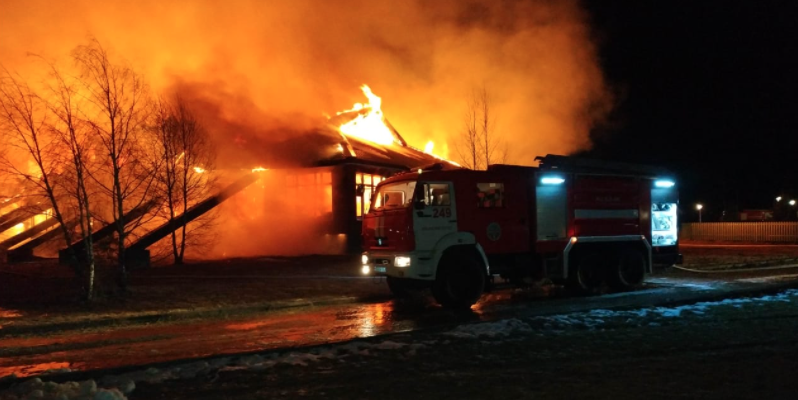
(597, 204)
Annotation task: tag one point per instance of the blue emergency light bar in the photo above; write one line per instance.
(664, 183)
(552, 180)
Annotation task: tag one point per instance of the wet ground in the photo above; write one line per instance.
(43, 292)
(743, 350)
(86, 350)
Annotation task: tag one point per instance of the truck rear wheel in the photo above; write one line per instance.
(586, 274)
(460, 282)
(628, 271)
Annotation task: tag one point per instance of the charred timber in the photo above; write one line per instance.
(79, 247)
(192, 213)
(29, 233)
(24, 252)
(17, 216)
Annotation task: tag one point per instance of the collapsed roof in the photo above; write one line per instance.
(323, 146)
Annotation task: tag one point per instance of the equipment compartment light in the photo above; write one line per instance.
(664, 183)
(664, 223)
(401, 261)
(364, 259)
(552, 180)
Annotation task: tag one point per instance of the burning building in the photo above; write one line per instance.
(314, 187)
(303, 194)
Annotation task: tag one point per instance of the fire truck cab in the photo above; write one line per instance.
(582, 223)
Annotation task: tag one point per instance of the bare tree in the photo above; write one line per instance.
(74, 136)
(25, 119)
(478, 144)
(468, 144)
(118, 112)
(187, 158)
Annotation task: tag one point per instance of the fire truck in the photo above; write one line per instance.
(586, 224)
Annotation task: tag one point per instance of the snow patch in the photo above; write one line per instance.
(490, 329)
(37, 389)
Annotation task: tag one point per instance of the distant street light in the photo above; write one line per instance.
(700, 206)
(792, 202)
(778, 198)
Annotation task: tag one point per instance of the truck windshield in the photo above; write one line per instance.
(394, 195)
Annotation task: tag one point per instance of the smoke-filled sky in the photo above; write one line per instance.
(273, 60)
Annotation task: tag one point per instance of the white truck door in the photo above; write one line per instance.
(437, 217)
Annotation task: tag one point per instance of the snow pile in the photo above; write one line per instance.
(490, 329)
(86, 390)
(116, 387)
(603, 318)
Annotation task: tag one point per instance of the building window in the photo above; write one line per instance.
(490, 195)
(309, 193)
(369, 182)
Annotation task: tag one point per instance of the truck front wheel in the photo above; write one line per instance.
(459, 283)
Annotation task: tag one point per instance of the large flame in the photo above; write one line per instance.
(428, 148)
(369, 124)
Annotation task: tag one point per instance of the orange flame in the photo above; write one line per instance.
(369, 125)
(259, 169)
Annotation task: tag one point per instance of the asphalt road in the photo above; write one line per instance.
(149, 345)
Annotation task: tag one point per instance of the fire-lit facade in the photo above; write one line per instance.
(311, 210)
(317, 186)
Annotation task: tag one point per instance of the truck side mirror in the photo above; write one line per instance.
(360, 189)
(418, 204)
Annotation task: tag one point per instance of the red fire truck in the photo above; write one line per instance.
(583, 223)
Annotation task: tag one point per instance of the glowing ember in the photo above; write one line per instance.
(428, 148)
(259, 169)
(369, 125)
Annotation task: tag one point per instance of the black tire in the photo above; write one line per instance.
(586, 275)
(460, 281)
(399, 287)
(629, 270)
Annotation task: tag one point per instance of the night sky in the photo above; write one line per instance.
(707, 89)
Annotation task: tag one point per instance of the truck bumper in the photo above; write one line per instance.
(385, 264)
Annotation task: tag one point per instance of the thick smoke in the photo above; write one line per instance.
(260, 62)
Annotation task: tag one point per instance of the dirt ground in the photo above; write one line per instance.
(712, 255)
(46, 291)
(742, 351)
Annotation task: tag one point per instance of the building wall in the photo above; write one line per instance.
(296, 212)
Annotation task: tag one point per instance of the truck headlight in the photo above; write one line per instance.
(364, 259)
(365, 270)
(401, 261)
